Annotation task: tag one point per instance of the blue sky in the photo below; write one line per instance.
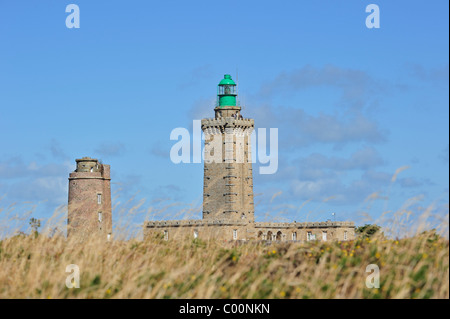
(352, 104)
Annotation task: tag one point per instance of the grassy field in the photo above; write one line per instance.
(35, 267)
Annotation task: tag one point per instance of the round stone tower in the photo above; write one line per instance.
(89, 209)
(228, 177)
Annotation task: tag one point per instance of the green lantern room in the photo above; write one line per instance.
(226, 98)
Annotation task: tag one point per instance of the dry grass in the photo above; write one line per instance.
(415, 266)
(34, 267)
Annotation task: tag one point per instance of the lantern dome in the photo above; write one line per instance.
(226, 92)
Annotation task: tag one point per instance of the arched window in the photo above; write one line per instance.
(279, 235)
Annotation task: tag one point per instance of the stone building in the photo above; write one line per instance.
(228, 207)
(228, 178)
(89, 207)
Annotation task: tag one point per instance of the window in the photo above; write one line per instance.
(100, 217)
(324, 236)
(195, 234)
(294, 236)
(99, 198)
(166, 235)
(279, 236)
(108, 237)
(345, 235)
(234, 234)
(310, 236)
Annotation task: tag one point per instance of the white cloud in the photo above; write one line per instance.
(15, 168)
(110, 149)
(299, 129)
(356, 85)
(362, 159)
(34, 182)
(438, 75)
(57, 151)
(444, 155)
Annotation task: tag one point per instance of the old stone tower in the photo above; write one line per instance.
(228, 181)
(228, 208)
(89, 209)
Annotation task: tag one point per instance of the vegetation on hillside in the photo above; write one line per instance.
(35, 267)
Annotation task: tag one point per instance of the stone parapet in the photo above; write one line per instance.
(193, 222)
(228, 122)
(84, 175)
(203, 222)
(303, 225)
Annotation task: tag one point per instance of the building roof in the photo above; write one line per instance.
(227, 80)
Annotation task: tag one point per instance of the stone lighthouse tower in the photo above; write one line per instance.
(89, 209)
(228, 178)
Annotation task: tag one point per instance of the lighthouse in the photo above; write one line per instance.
(228, 206)
(228, 177)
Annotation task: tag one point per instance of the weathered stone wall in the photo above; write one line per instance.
(228, 178)
(228, 207)
(200, 231)
(228, 111)
(306, 231)
(223, 230)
